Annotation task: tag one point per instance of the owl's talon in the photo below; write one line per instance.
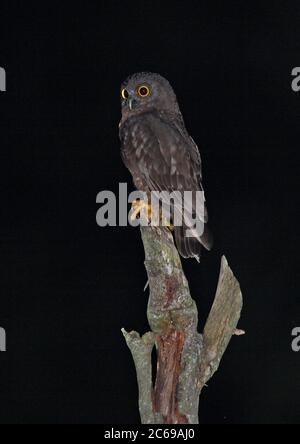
(140, 206)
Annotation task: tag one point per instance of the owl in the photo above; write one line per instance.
(160, 154)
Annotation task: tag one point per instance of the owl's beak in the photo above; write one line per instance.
(132, 103)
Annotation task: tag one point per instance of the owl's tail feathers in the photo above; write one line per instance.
(190, 247)
(207, 239)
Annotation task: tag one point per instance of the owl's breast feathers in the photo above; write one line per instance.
(157, 146)
(161, 156)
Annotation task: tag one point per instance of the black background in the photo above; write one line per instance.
(67, 286)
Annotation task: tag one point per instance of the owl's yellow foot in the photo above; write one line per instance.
(140, 208)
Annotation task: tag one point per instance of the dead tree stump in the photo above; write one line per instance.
(186, 360)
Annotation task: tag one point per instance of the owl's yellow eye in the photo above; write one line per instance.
(144, 91)
(124, 94)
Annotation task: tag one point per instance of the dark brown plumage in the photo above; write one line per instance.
(158, 150)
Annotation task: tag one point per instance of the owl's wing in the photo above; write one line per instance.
(165, 159)
(192, 147)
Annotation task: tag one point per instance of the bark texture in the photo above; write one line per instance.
(186, 360)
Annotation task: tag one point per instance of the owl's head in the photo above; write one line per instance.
(145, 91)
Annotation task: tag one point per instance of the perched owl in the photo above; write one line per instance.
(159, 153)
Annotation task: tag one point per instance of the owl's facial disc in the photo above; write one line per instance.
(133, 97)
(147, 91)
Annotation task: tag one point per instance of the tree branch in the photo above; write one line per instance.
(186, 360)
(141, 349)
(221, 323)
